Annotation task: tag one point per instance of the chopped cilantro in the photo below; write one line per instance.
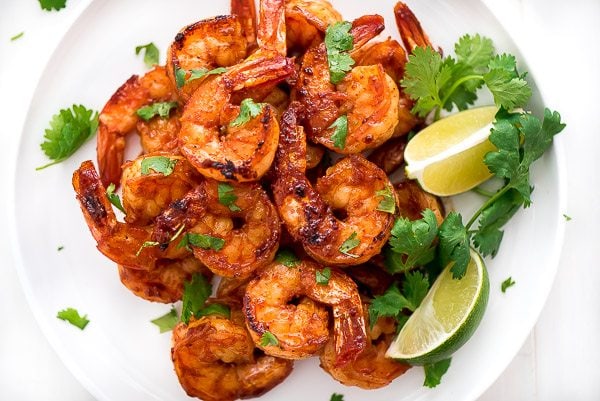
(180, 77)
(349, 244)
(413, 241)
(338, 41)
(227, 197)
(388, 202)
(69, 129)
(195, 294)
(336, 397)
(454, 244)
(509, 282)
(435, 371)
(322, 276)
(50, 5)
(248, 110)
(201, 241)
(287, 258)
(567, 218)
(161, 109)
(268, 339)
(72, 316)
(146, 244)
(17, 36)
(113, 197)
(160, 164)
(60, 248)
(167, 321)
(341, 131)
(202, 72)
(215, 309)
(151, 54)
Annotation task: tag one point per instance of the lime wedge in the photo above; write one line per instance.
(447, 156)
(447, 317)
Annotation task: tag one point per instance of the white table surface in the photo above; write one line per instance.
(560, 359)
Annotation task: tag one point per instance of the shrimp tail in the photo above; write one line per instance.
(366, 28)
(410, 28)
(351, 337)
(246, 11)
(271, 29)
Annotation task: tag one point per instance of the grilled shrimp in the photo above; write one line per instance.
(120, 242)
(411, 32)
(119, 118)
(412, 200)
(349, 189)
(306, 22)
(160, 134)
(165, 283)
(367, 96)
(246, 12)
(215, 360)
(301, 327)
(145, 196)
(390, 156)
(371, 369)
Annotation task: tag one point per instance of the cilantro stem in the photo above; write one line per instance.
(483, 192)
(486, 204)
(455, 86)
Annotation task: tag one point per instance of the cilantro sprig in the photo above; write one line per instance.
(161, 109)
(437, 83)
(151, 54)
(248, 110)
(338, 41)
(68, 131)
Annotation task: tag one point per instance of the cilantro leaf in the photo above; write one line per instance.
(201, 241)
(151, 54)
(248, 110)
(227, 197)
(435, 371)
(567, 217)
(339, 65)
(509, 282)
(195, 294)
(341, 131)
(72, 316)
(215, 309)
(146, 244)
(180, 77)
(268, 339)
(454, 244)
(50, 5)
(349, 244)
(167, 321)
(69, 129)
(414, 241)
(113, 197)
(161, 109)
(423, 78)
(338, 41)
(336, 397)
(17, 36)
(160, 164)
(508, 91)
(322, 276)
(388, 202)
(203, 72)
(474, 51)
(287, 258)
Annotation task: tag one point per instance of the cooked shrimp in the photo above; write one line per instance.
(390, 156)
(349, 189)
(392, 58)
(306, 22)
(246, 11)
(120, 242)
(412, 200)
(367, 97)
(145, 196)
(160, 134)
(271, 27)
(215, 360)
(371, 369)
(118, 118)
(207, 44)
(301, 327)
(411, 32)
(164, 283)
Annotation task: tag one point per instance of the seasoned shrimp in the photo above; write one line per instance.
(306, 22)
(160, 134)
(301, 327)
(249, 227)
(215, 360)
(120, 242)
(390, 156)
(119, 118)
(371, 369)
(207, 44)
(246, 11)
(411, 32)
(412, 200)
(349, 189)
(145, 196)
(367, 96)
(164, 283)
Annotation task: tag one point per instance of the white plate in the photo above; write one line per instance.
(120, 355)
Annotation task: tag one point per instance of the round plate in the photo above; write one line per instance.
(120, 355)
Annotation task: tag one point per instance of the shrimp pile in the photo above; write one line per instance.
(236, 182)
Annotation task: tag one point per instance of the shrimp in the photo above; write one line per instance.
(160, 134)
(411, 32)
(301, 327)
(215, 360)
(412, 200)
(250, 227)
(367, 96)
(390, 156)
(246, 11)
(371, 369)
(307, 21)
(392, 58)
(349, 189)
(165, 283)
(119, 118)
(120, 242)
(145, 196)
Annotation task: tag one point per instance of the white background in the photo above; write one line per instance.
(561, 358)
